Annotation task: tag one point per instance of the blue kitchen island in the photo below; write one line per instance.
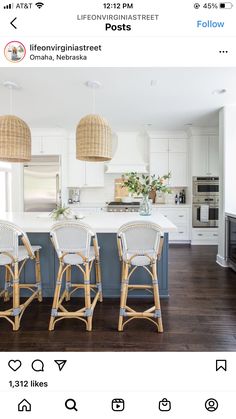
(105, 225)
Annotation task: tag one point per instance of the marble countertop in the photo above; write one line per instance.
(102, 222)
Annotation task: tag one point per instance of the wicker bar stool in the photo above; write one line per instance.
(140, 245)
(13, 258)
(72, 242)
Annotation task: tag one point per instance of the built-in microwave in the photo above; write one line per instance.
(205, 186)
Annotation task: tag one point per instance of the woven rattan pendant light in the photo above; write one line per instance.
(93, 135)
(15, 136)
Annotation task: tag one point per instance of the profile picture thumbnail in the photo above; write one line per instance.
(14, 51)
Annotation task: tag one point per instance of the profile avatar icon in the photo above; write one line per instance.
(211, 405)
(14, 51)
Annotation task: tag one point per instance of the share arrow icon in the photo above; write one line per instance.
(60, 363)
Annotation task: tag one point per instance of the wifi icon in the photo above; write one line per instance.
(39, 4)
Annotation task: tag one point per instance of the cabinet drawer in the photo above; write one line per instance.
(206, 235)
(181, 234)
(178, 216)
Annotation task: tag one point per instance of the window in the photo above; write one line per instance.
(5, 186)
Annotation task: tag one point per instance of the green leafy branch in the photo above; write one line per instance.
(144, 184)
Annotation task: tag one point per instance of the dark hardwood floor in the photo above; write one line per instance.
(200, 315)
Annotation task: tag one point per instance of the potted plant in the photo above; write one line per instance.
(143, 185)
(60, 213)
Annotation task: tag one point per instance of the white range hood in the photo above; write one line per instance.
(127, 155)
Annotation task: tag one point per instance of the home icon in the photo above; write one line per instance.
(24, 406)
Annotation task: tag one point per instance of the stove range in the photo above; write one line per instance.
(123, 207)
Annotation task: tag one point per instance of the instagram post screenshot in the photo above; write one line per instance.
(117, 209)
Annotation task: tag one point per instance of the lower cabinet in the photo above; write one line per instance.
(181, 218)
(204, 236)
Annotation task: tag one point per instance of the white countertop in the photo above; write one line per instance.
(160, 206)
(102, 222)
(230, 214)
(104, 204)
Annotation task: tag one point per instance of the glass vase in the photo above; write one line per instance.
(145, 206)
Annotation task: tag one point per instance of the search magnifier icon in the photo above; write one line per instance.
(71, 404)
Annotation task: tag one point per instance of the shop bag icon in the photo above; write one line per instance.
(164, 405)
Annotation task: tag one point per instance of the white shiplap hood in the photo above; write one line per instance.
(127, 155)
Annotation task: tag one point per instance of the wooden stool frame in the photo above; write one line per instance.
(153, 314)
(13, 286)
(85, 314)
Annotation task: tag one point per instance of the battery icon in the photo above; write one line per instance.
(226, 5)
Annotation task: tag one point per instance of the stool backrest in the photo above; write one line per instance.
(72, 237)
(140, 237)
(9, 241)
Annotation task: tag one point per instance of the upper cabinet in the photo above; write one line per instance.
(75, 173)
(170, 155)
(47, 145)
(84, 174)
(205, 155)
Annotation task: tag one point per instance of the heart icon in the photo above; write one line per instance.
(14, 364)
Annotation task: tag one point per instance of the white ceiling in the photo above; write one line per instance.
(57, 97)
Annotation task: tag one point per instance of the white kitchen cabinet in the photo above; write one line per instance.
(159, 145)
(76, 172)
(94, 174)
(47, 145)
(84, 174)
(205, 155)
(178, 169)
(213, 155)
(177, 145)
(205, 236)
(170, 155)
(159, 163)
(180, 216)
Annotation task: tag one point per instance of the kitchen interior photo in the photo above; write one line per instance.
(124, 156)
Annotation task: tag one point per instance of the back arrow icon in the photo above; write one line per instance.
(12, 23)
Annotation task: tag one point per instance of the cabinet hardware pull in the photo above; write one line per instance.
(181, 232)
(181, 216)
(216, 235)
(199, 234)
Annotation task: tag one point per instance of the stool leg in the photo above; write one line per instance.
(16, 297)
(56, 297)
(87, 292)
(38, 276)
(68, 282)
(98, 278)
(124, 293)
(7, 284)
(157, 297)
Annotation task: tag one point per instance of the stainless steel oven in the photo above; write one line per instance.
(205, 212)
(205, 186)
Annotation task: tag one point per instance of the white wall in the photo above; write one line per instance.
(100, 195)
(227, 152)
(229, 158)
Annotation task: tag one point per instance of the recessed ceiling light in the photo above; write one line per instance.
(153, 83)
(219, 91)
